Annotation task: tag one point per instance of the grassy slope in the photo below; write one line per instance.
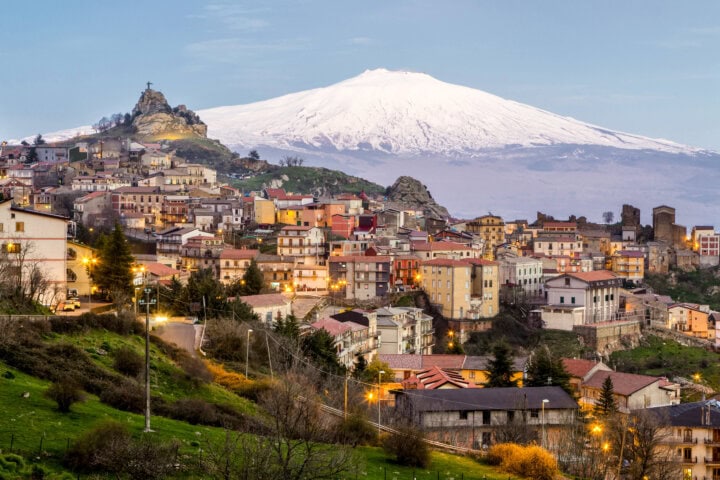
(664, 357)
(308, 179)
(25, 421)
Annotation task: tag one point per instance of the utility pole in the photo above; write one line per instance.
(147, 356)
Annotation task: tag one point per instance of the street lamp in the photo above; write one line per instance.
(545, 400)
(89, 264)
(380, 373)
(141, 269)
(247, 352)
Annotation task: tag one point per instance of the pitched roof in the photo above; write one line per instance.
(578, 367)
(360, 259)
(447, 262)
(400, 361)
(694, 414)
(238, 254)
(474, 399)
(438, 246)
(443, 361)
(160, 270)
(623, 383)
(265, 300)
(436, 377)
(477, 362)
(594, 276)
(332, 326)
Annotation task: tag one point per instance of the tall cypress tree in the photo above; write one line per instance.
(253, 279)
(606, 405)
(501, 367)
(113, 272)
(545, 369)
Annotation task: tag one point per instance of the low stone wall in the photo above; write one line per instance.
(608, 337)
(679, 337)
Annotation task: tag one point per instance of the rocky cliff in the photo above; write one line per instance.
(410, 193)
(153, 118)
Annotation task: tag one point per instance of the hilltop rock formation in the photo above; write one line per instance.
(410, 193)
(154, 118)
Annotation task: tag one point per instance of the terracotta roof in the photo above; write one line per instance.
(629, 253)
(577, 367)
(594, 276)
(623, 383)
(482, 261)
(398, 361)
(160, 270)
(238, 254)
(436, 377)
(265, 300)
(332, 326)
(447, 262)
(476, 399)
(443, 361)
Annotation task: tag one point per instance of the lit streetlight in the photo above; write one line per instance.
(89, 264)
(141, 270)
(247, 352)
(380, 373)
(544, 441)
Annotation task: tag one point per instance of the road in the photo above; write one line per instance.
(182, 333)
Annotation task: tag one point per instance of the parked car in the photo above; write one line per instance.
(75, 301)
(65, 307)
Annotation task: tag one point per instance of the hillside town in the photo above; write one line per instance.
(343, 263)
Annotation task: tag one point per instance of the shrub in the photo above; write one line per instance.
(195, 370)
(532, 461)
(408, 447)
(11, 463)
(9, 375)
(194, 411)
(237, 383)
(124, 395)
(65, 391)
(128, 362)
(355, 430)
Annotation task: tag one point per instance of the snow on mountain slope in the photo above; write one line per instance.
(405, 113)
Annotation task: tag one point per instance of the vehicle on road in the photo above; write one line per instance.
(65, 307)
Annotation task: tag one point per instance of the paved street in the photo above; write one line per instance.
(183, 334)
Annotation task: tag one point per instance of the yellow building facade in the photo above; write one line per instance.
(491, 229)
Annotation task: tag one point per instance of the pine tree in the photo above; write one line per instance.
(113, 272)
(253, 280)
(606, 405)
(288, 327)
(501, 367)
(544, 369)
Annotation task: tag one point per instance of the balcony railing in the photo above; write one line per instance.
(712, 461)
(686, 460)
(712, 441)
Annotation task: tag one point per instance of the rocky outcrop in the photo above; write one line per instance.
(410, 193)
(154, 118)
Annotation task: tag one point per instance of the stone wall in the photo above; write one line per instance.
(608, 337)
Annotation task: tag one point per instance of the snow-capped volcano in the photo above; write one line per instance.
(405, 113)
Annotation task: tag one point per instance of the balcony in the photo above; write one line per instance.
(690, 460)
(712, 441)
(712, 461)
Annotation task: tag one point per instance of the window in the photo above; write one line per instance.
(11, 247)
(535, 413)
(19, 226)
(572, 300)
(2, 228)
(687, 453)
(562, 299)
(463, 414)
(567, 282)
(486, 417)
(510, 416)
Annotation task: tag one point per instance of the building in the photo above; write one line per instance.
(463, 289)
(304, 244)
(630, 391)
(404, 330)
(691, 436)
(269, 307)
(355, 335)
(665, 228)
(34, 243)
(491, 229)
(453, 250)
(359, 277)
(690, 319)
(629, 265)
(476, 417)
(581, 298)
(522, 274)
(233, 263)
(435, 378)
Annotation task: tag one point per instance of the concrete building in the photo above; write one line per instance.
(581, 298)
(305, 244)
(360, 277)
(491, 229)
(404, 330)
(629, 265)
(522, 273)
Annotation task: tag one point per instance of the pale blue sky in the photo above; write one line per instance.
(649, 67)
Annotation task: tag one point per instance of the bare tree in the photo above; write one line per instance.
(640, 440)
(608, 216)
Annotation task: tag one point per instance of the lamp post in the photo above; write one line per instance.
(247, 352)
(89, 264)
(380, 373)
(545, 400)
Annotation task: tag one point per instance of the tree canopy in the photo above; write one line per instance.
(113, 272)
(606, 404)
(501, 367)
(546, 369)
